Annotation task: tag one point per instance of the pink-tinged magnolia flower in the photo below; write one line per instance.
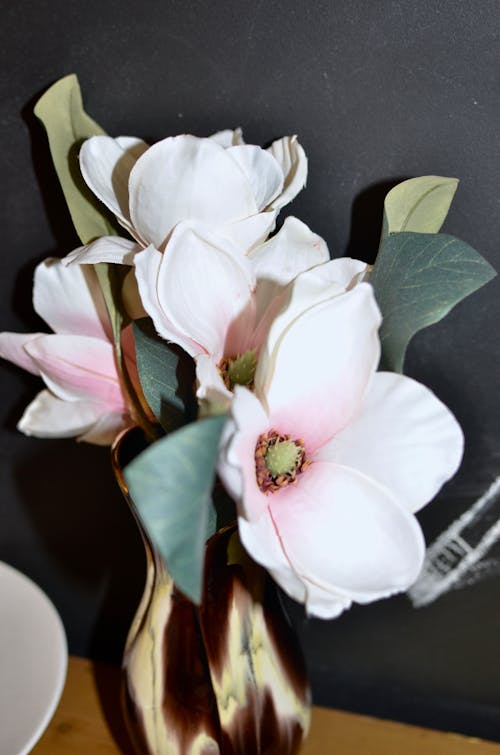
(77, 362)
(328, 460)
(230, 188)
(219, 304)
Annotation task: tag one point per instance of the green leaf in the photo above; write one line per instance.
(160, 365)
(419, 204)
(111, 279)
(170, 484)
(417, 279)
(61, 111)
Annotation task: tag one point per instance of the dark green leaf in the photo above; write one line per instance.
(61, 111)
(171, 484)
(417, 279)
(419, 204)
(162, 371)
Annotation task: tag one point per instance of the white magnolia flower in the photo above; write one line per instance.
(328, 460)
(219, 305)
(77, 362)
(228, 187)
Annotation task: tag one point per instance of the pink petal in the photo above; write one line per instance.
(344, 532)
(12, 347)
(69, 299)
(404, 437)
(318, 372)
(263, 544)
(78, 367)
(186, 178)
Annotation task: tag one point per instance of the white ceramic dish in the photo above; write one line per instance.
(33, 661)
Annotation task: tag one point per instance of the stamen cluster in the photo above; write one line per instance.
(270, 481)
(238, 370)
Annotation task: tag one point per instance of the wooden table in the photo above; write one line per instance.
(88, 722)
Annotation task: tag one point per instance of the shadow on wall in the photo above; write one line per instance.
(366, 220)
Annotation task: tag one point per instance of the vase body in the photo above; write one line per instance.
(223, 678)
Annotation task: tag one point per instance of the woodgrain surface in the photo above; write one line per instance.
(88, 722)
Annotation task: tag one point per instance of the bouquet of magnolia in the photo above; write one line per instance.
(296, 398)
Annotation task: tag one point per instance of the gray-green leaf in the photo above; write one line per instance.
(419, 204)
(417, 279)
(170, 484)
(67, 124)
(159, 366)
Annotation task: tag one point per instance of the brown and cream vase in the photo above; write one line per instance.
(223, 678)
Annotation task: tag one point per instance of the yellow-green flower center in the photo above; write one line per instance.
(278, 461)
(238, 370)
(281, 458)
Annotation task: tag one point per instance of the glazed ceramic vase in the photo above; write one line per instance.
(223, 678)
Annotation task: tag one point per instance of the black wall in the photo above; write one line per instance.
(377, 91)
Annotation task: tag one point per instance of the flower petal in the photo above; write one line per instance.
(278, 306)
(184, 178)
(294, 249)
(315, 378)
(147, 271)
(50, 417)
(12, 348)
(307, 290)
(262, 172)
(237, 458)
(344, 532)
(132, 145)
(211, 392)
(292, 158)
(263, 544)
(325, 604)
(346, 271)
(251, 231)
(106, 167)
(228, 137)
(69, 299)
(105, 430)
(78, 367)
(403, 437)
(114, 249)
(205, 291)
